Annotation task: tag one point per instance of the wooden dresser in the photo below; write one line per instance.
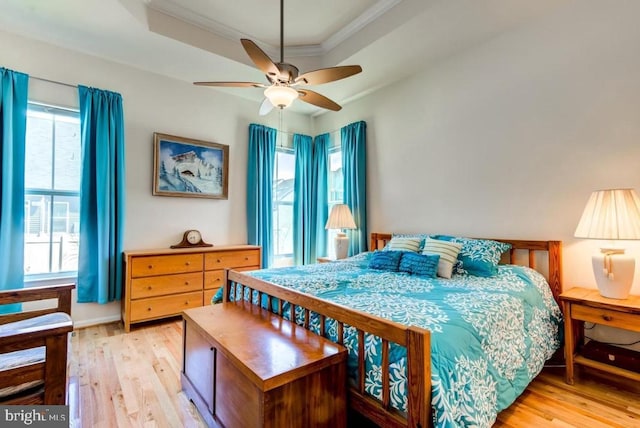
(164, 282)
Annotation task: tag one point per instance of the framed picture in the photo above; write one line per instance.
(189, 168)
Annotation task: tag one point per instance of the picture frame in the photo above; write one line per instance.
(186, 167)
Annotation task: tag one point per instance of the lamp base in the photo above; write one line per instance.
(613, 271)
(341, 245)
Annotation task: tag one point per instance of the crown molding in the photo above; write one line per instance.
(189, 16)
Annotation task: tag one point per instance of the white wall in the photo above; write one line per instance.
(510, 138)
(505, 140)
(153, 103)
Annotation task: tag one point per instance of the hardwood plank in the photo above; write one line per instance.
(132, 380)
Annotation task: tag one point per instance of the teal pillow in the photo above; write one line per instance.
(217, 298)
(419, 264)
(385, 260)
(479, 257)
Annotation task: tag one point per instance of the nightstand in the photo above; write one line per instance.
(582, 304)
(325, 259)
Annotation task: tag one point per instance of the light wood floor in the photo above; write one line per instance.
(133, 380)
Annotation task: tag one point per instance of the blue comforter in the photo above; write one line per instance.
(489, 336)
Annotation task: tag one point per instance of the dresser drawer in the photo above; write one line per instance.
(161, 265)
(156, 307)
(208, 294)
(604, 317)
(165, 284)
(231, 259)
(213, 279)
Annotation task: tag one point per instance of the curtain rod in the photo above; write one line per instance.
(53, 81)
(292, 133)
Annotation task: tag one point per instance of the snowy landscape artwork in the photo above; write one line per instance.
(188, 167)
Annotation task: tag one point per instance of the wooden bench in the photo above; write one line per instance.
(246, 367)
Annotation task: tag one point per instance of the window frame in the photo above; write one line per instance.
(332, 233)
(286, 257)
(49, 196)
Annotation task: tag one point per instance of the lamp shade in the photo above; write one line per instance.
(611, 214)
(340, 218)
(280, 96)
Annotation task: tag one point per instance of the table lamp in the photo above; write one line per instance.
(341, 218)
(613, 215)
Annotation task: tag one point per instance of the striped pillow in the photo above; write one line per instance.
(404, 244)
(448, 252)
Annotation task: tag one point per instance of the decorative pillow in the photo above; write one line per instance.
(479, 257)
(448, 252)
(404, 244)
(419, 264)
(217, 298)
(385, 260)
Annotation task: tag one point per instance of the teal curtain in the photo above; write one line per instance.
(321, 146)
(102, 196)
(303, 201)
(261, 158)
(354, 167)
(13, 128)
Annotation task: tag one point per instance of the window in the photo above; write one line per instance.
(284, 173)
(335, 182)
(52, 191)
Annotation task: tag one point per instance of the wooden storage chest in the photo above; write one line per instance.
(246, 367)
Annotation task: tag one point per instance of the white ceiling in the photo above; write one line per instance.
(196, 40)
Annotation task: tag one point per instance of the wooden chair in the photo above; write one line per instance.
(33, 347)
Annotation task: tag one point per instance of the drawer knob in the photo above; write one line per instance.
(149, 288)
(150, 266)
(186, 283)
(607, 317)
(149, 309)
(246, 258)
(187, 263)
(218, 261)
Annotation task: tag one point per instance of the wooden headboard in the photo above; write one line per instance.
(552, 248)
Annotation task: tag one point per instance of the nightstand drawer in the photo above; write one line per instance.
(604, 317)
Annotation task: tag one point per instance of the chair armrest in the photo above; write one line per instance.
(60, 292)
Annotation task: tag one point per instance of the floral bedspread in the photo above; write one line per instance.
(489, 336)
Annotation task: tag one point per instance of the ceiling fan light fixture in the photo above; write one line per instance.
(280, 96)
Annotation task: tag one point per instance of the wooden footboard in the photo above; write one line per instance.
(415, 340)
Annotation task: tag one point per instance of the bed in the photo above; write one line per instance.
(424, 352)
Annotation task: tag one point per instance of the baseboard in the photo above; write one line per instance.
(96, 321)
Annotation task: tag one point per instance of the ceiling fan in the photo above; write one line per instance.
(284, 78)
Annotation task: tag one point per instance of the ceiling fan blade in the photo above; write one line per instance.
(316, 99)
(231, 84)
(265, 107)
(325, 75)
(260, 59)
